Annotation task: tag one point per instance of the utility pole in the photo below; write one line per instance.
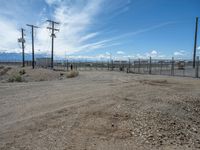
(22, 40)
(33, 57)
(195, 43)
(52, 28)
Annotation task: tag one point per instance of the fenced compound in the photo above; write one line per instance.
(168, 67)
(165, 67)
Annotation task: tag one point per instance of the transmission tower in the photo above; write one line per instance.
(53, 29)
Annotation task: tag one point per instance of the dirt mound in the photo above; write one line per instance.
(27, 74)
(4, 70)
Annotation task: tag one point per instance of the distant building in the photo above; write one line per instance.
(43, 62)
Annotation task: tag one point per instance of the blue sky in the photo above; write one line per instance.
(98, 28)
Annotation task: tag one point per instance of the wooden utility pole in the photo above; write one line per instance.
(33, 55)
(22, 40)
(195, 43)
(52, 28)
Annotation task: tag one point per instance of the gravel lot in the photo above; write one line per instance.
(101, 110)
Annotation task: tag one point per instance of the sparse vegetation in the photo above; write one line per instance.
(15, 78)
(72, 74)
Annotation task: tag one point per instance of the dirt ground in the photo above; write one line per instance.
(101, 110)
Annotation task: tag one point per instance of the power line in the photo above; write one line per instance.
(22, 40)
(52, 28)
(195, 43)
(33, 56)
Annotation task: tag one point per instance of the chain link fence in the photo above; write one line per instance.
(170, 67)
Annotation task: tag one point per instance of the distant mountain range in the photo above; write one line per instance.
(15, 57)
(4, 56)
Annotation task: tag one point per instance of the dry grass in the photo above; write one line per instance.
(72, 74)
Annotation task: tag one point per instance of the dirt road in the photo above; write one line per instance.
(101, 111)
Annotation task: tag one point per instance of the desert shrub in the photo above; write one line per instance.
(15, 78)
(72, 74)
(21, 72)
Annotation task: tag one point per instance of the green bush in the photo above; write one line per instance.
(15, 78)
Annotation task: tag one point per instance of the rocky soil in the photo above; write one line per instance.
(101, 110)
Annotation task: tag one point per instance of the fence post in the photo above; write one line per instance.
(102, 65)
(67, 65)
(129, 65)
(112, 65)
(172, 67)
(197, 67)
(108, 64)
(150, 65)
(161, 65)
(139, 66)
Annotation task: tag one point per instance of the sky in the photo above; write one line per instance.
(101, 29)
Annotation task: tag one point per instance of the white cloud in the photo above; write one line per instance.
(154, 52)
(76, 34)
(75, 21)
(179, 53)
(8, 36)
(120, 52)
(88, 36)
(50, 2)
(198, 48)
